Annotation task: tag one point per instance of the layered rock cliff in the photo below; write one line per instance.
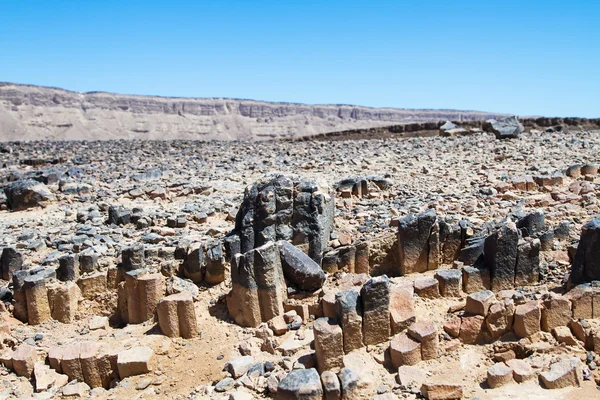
(34, 112)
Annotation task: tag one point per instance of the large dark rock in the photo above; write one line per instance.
(472, 253)
(277, 208)
(586, 263)
(507, 128)
(118, 215)
(413, 241)
(27, 193)
(300, 269)
(10, 261)
(500, 256)
(300, 384)
(68, 268)
(532, 224)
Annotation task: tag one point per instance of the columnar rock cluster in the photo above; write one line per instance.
(505, 258)
(278, 208)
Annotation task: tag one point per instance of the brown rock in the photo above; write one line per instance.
(527, 319)
(479, 303)
(522, 371)
(566, 372)
(64, 301)
(135, 361)
(442, 391)
(402, 308)
(452, 327)
(278, 325)
(499, 374)
(328, 305)
(23, 360)
(556, 311)
(471, 329)
(404, 350)
(70, 363)
(329, 347)
(93, 284)
(428, 288)
(500, 318)
(563, 335)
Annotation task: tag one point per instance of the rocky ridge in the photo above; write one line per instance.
(37, 113)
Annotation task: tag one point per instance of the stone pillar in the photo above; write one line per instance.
(215, 264)
(361, 263)
(133, 257)
(36, 293)
(528, 263)
(349, 310)
(404, 350)
(64, 301)
(19, 297)
(242, 302)
(426, 334)
(413, 242)
(68, 268)
(89, 367)
(194, 266)
(375, 296)
(143, 293)
(500, 255)
(70, 363)
(269, 280)
(329, 348)
(177, 317)
(402, 308)
(10, 261)
(151, 289)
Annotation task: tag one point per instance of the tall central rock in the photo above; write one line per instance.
(277, 208)
(275, 211)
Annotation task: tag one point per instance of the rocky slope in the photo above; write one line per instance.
(35, 112)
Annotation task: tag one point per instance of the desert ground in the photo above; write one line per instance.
(209, 270)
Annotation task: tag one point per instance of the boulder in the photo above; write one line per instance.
(450, 282)
(479, 303)
(278, 208)
(300, 384)
(237, 367)
(299, 269)
(27, 193)
(11, 260)
(442, 391)
(507, 128)
(331, 386)
(566, 372)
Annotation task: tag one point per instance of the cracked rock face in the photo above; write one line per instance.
(276, 208)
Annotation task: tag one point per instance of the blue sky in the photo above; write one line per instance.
(522, 57)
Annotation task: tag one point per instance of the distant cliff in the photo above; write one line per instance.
(34, 112)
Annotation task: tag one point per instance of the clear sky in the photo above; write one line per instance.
(526, 57)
